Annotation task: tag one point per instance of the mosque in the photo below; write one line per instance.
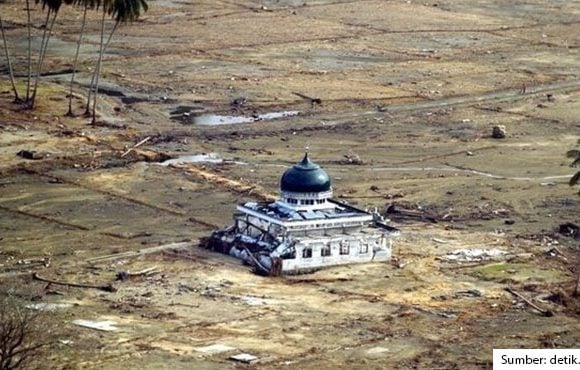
(305, 229)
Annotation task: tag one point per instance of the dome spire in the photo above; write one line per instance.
(305, 160)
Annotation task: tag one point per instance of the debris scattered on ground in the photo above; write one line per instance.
(546, 313)
(448, 314)
(398, 213)
(256, 301)
(470, 293)
(570, 229)
(33, 154)
(239, 102)
(313, 101)
(48, 306)
(554, 251)
(125, 275)
(106, 325)
(376, 350)
(351, 158)
(106, 287)
(135, 146)
(472, 255)
(214, 348)
(400, 264)
(440, 241)
(244, 357)
(141, 252)
(498, 132)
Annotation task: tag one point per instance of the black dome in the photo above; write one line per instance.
(305, 177)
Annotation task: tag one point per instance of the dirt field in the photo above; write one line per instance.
(410, 92)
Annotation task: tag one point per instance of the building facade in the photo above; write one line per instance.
(305, 229)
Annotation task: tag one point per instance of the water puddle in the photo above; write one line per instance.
(199, 158)
(207, 119)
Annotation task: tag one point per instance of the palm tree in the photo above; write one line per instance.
(53, 7)
(122, 11)
(86, 5)
(9, 63)
(29, 26)
(92, 84)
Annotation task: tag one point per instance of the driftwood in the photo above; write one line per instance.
(447, 315)
(546, 313)
(107, 288)
(135, 146)
(312, 100)
(124, 275)
(138, 253)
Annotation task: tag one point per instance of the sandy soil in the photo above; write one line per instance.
(443, 73)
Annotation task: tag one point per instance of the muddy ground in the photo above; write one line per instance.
(409, 90)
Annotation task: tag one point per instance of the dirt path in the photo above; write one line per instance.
(497, 96)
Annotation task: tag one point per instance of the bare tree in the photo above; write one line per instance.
(24, 333)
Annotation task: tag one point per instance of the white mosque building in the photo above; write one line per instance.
(305, 229)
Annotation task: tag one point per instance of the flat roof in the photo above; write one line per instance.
(281, 213)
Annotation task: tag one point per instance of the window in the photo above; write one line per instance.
(364, 249)
(289, 254)
(344, 248)
(325, 251)
(307, 252)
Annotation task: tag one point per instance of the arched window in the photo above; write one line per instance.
(325, 251)
(307, 252)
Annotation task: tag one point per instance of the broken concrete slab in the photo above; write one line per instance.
(244, 357)
(214, 348)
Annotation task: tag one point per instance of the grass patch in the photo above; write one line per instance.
(517, 272)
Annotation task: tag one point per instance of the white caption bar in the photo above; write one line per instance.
(536, 359)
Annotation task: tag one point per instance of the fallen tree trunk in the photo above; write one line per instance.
(546, 313)
(107, 288)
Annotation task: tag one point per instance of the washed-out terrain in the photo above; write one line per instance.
(409, 93)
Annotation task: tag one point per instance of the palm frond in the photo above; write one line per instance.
(52, 5)
(124, 11)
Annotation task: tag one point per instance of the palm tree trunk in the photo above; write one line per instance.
(92, 85)
(29, 51)
(95, 79)
(42, 53)
(90, 94)
(10, 71)
(72, 80)
(98, 71)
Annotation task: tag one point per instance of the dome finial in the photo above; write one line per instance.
(305, 160)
